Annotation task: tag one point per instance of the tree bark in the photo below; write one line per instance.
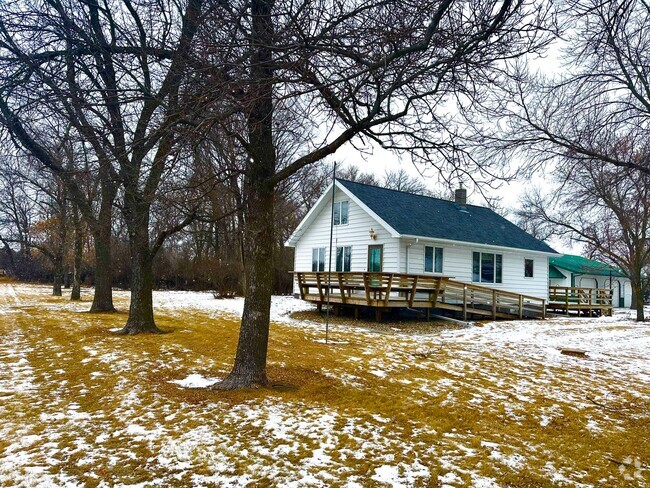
(58, 275)
(249, 369)
(103, 299)
(141, 318)
(637, 299)
(78, 255)
(59, 242)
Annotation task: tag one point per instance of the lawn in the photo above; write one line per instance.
(489, 405)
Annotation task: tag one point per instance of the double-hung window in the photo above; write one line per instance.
(341, 212)
(318, 259)
(432, 259)
(343, 258)
(487, 267)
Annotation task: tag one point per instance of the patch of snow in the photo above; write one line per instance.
(196, 381)
(377, 372)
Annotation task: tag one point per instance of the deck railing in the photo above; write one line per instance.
(392, 290)
(575, 297)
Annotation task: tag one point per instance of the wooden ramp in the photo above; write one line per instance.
(385, 291)
(587, 301)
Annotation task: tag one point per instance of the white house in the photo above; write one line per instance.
(377, 229)
(576, 271)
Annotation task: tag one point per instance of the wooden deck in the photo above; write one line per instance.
(588, 301)
(385, 291)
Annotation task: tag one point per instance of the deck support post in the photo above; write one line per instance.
(465, 303)
(566, 303)
(494, 304)
(521, 307)
(341, 286)
(428, 312)
(377, 314)
(301, 286)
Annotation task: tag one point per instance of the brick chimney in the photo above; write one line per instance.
(461, 197)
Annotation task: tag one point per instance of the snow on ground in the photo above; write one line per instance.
(281, 307)
(487, 406)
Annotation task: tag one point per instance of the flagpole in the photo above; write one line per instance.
(329, 271)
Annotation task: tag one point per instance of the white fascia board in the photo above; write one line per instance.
(483, 246)
(367, 209)
(307, 219)
(324, 198)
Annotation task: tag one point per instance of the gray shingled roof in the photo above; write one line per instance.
(421, 216)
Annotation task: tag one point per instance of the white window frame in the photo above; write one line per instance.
(320, 264)
(480, 268)
(343, 260)
(339, 206)
(433, 260)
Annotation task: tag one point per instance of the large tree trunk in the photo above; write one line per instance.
(249, 369)
(58, 275)
(250, 363)
(103, 299)
(637, 299)
(78, 255)
(141, 310)
(59, 250)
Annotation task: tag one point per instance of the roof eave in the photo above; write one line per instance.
(487, 246)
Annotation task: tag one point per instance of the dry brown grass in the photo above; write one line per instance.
(85, 405)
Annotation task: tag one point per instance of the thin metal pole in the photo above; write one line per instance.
(329, 271)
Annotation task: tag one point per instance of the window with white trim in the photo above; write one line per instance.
(432, 259)
(487, 267)
(343, 258)
(341, 212)
(529, 266)
(318, 259)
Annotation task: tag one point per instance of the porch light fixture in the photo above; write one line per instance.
(372, 233)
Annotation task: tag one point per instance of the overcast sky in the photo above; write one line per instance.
(376, 160)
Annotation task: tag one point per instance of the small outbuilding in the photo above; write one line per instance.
(579, 272)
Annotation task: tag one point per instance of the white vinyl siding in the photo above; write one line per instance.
(457, 265)
(356, 235)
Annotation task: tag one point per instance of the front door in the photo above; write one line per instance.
(375, 258)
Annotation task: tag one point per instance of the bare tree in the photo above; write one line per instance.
(607, 208)
(599, 100)
(377, 70)
(400, 180)
(115, 72)
(34, 213)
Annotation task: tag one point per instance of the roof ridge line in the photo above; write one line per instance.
(409, 193)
